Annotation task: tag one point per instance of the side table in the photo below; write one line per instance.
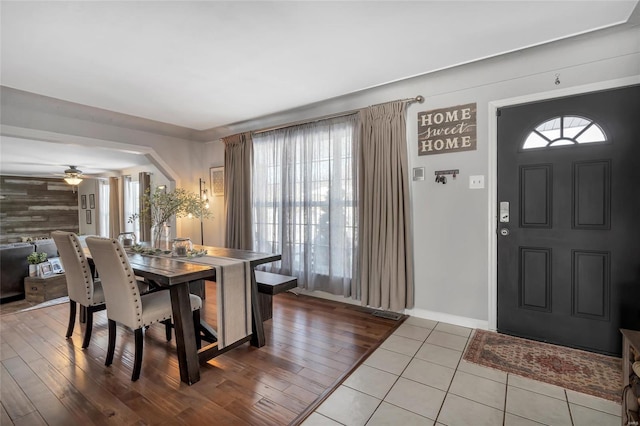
(41, 289)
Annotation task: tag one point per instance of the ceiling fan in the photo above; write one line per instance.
(73, 176)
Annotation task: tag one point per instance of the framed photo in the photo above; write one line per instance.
(83, 202)
(92, 201)
(56, 265)
(88, 217)
(45, 269)
(217, 180)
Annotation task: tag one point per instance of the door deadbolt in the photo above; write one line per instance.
(504, 211)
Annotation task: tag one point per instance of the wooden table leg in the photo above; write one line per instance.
(257, 338)
(185, 334)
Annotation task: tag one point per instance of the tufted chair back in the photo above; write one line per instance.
(122, 296)
(80, 284)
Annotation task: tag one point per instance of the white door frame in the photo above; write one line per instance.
(493, 171)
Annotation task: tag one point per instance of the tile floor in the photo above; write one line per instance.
(417, 377)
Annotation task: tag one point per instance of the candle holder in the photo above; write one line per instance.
(182, 247)
(127, 239)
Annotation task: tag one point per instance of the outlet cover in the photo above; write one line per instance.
(476, 182)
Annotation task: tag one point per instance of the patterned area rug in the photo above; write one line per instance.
(581, 371)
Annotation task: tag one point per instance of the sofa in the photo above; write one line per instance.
(47, 246)
(14, 266)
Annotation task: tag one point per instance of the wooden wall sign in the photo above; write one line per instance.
(446, 130)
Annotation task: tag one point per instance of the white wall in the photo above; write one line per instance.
(86, 188)
(452, 228)
(167, 147)
(452, 238)
(214, 227)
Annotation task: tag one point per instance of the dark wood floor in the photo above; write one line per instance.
(312, 345)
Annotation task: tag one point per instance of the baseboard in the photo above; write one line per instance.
(448, 318)
(419, 313)
(325, 295)
(12, 297)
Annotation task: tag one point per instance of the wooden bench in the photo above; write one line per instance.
(270, 284)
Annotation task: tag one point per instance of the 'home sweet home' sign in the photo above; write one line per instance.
(447, 130)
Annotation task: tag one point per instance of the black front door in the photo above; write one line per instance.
(569, 219)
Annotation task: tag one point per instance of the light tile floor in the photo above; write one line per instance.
(417, 377)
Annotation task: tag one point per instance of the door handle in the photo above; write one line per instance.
(504, 232)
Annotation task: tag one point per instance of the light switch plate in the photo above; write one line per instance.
(476, 182)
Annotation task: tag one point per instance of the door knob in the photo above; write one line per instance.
(504, 232)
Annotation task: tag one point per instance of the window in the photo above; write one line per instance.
(564, 130)
(131, 203)
(304, 190)
(103, 208)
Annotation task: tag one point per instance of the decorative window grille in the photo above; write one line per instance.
(564, 130)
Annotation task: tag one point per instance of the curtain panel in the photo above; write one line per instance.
(385, 245)
(144, 179)
(305, 202)
(114, 207)
(238, 163)
(130, 205)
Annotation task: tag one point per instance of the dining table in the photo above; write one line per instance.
(177, 274)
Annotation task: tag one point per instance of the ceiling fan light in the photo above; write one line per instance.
(73, 180)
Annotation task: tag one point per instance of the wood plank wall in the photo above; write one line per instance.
(33, 207)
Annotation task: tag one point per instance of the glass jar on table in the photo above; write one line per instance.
(127, 239)
(182, 247)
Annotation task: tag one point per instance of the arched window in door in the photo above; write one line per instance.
(564, 130)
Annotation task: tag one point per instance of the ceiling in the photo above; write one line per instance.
(203, 65)
(38, 158)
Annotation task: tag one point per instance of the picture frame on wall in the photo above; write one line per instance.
(92, 201)
(83, 202)
(45, 269)
(216, 175)
(88, 217)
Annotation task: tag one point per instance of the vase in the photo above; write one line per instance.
(33, 270)
(160, 236)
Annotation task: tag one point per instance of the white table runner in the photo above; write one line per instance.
(233, 285)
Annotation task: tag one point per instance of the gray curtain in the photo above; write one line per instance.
(114, 207)
(238, 160)
(385, 248)
(144, 182)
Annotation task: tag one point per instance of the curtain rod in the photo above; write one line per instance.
(418, 99)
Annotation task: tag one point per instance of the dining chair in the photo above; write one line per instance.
(125, 304)
(82, 288)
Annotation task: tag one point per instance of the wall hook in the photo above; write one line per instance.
(441, 175)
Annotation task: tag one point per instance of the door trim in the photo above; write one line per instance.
(492, 195)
